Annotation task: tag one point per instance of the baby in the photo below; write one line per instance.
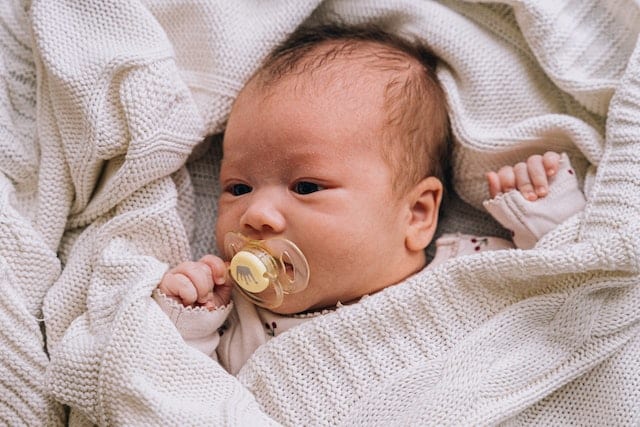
(339, 143)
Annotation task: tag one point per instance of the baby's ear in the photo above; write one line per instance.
(424, 202)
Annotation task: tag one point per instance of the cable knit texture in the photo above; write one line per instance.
(103, 186)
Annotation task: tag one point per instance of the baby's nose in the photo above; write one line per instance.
(264, 214)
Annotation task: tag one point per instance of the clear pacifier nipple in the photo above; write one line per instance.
(266, 270)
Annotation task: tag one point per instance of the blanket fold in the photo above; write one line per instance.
(103, 186)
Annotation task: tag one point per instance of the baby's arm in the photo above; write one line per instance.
(531, 198)
(197, 298)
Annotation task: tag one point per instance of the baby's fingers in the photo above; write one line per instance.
(551, 162)
(218, 268)
(177, 285)
(494, 184)
(200, 276)
(523, 181)
(502, 181)
(540, 169)
(222, 289)
(537, 176)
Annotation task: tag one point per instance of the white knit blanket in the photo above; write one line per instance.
(101, 104)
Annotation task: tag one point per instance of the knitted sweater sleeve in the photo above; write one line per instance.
(529, 221)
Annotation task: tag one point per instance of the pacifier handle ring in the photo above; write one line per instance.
(280, 248)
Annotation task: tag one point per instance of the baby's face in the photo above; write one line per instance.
(305, 164)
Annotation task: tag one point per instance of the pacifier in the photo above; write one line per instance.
(266, 270)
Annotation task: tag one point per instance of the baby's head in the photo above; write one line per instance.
(339, 144)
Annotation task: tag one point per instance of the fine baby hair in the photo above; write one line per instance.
(417, 134)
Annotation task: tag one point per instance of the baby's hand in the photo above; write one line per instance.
(198, 283)
(530, 177)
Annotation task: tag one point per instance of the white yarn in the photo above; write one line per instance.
(102, 104)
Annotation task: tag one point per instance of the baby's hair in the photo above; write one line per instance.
(414, 100)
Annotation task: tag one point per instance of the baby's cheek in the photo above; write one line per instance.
(344, 262)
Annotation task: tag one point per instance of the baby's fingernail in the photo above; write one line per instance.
(551, 172)
(530, 195)
(541, 191)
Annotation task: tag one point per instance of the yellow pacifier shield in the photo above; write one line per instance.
(249, 272)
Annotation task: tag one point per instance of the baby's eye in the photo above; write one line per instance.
(306, 187)
(238, 189)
